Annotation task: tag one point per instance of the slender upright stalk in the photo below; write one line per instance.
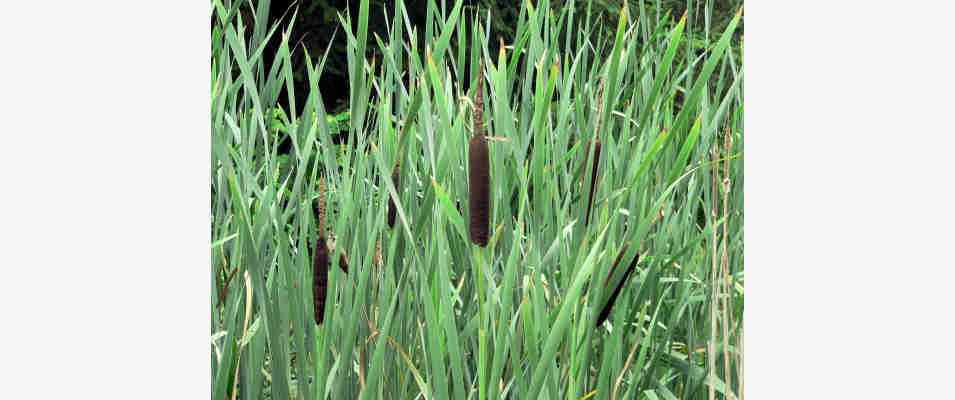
(727, 292)
(714, 290)
(479, 203)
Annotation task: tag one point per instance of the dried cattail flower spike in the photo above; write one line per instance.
(594, 175)
(342, 257)
(320, 263)
(392, 208)
(479, 178)
(605, 312)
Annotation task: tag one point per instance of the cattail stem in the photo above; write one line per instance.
(481, 293)
(320, 207)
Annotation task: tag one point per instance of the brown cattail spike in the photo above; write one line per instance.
(479, 178)
(479, 188)
(593, 178)
(396, 180)
(616, 262)
(605, 312)
(343, 261)
(320, 278)
(342, 257)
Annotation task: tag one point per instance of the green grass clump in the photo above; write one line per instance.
(423, 311)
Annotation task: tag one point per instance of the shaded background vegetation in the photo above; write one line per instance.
(316, 28)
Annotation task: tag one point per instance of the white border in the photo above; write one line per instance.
(104, 217)
(104, 220)
(849, 200)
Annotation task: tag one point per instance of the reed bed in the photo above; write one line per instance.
(526, 296)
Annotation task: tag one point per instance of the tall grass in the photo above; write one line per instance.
(423, 312)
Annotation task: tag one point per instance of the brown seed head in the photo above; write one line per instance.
(616, 291)
(479, 177)
(320, 279)
(343, 261)
(479, 190)
(343, 257)
(392, 208)
(594, 175)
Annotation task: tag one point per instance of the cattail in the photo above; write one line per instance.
(342, 257)
(479, 182)
(320, 265)
(343, 261)
(396, 180)
(477, 111)
(320, 278)
(595, 143)
(593, 177)
(605, 312)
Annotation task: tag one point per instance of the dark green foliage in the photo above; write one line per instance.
(316, 29)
